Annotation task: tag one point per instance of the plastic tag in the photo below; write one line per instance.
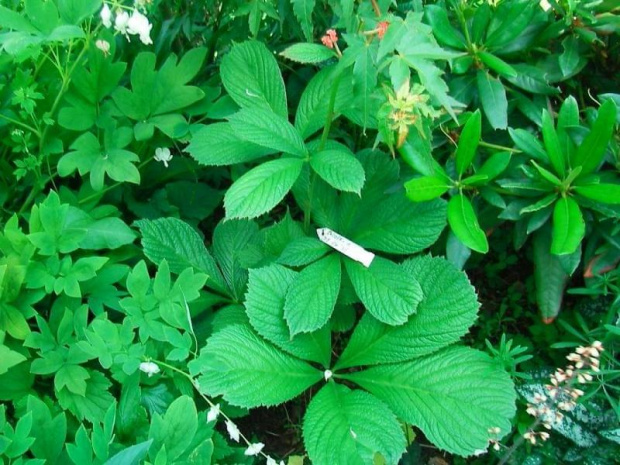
(345, 246)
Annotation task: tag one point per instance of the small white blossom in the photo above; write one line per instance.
(163, 154)
(120, 23)
(353, 433)
(271, 461)
(545, 5)
(150, 368)
(106, 15)
(104, 46)
(233, 431)
(213, 413)
(254, 449)
(327, 374)
(138, 24)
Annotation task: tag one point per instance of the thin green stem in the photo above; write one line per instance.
(498, 147)
(19, 123)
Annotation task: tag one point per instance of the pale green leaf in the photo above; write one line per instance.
(493, 98)
(262, 188)
(454, 396)
(249, 372)
(312, 295)
(340, 169)
(307, 53)
(568, 226)
(464, 224)
(252, 78)
(348, 427)
(389, 292)
(448, 308)
(267, 290)
(218, 144)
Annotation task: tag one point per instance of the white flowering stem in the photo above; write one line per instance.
(212, 404)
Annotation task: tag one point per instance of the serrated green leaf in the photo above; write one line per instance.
(263, 128)
(457, 389)
(302, 251)
(568, 226)
(218, 144)
(344, 426)
(249, 372)
(176, 242)
(448, 308)
(266, 88)
(340, 169)
(262, 188)
(311, 296)
(493, 99)
(425, 188)
(464, 224)
(468, 143)
(552, 144)
(267, 290)
(303, 11)
(307, 53)
(592, 150)
(387, 290)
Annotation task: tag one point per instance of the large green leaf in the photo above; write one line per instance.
(550, 278)
(263, 128)
(267, 290)
(464, 224)
(348, 427)
(340, 169)
(568, 226)
(249, 372)
(426, 188)
(262, 188)
(592, 150)
(603, 192)
(176, 242)
(312, 295)
(448, 308)
(252, 78)
(387, 290)
(218, 144)
(454, 396)
(552, 144)
(468, 143)
(493, 98)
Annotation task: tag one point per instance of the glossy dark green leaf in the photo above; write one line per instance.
(442, 29)
(464, 224)
(497, 64)
(592, 150)
(549, 277)
(493, 98)
(527, 143)
(552, 144)
(605, 193)
(495, 165)
(468, 143)
(568, 226)
(425, 188)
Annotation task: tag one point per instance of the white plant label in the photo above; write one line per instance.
(345, 246)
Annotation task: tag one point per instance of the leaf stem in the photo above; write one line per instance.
(498, 147)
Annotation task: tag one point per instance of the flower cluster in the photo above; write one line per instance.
(561, 395)
(134, 24)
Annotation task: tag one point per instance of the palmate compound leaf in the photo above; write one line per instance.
(262, 188)
(447, 310)
(249, 372)
(454, 396)
(387, 290)
(344, 426)
(312, 295)
(265, 299)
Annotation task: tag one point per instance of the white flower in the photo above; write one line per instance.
(271, 461)
(150, 368)
(545, 5)
(254, 449)
(163, 154)
(213, 413)
(138, 24)
(106, 15)
(104, 46)
(233, 431)
(327, 374)
(120, 23)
